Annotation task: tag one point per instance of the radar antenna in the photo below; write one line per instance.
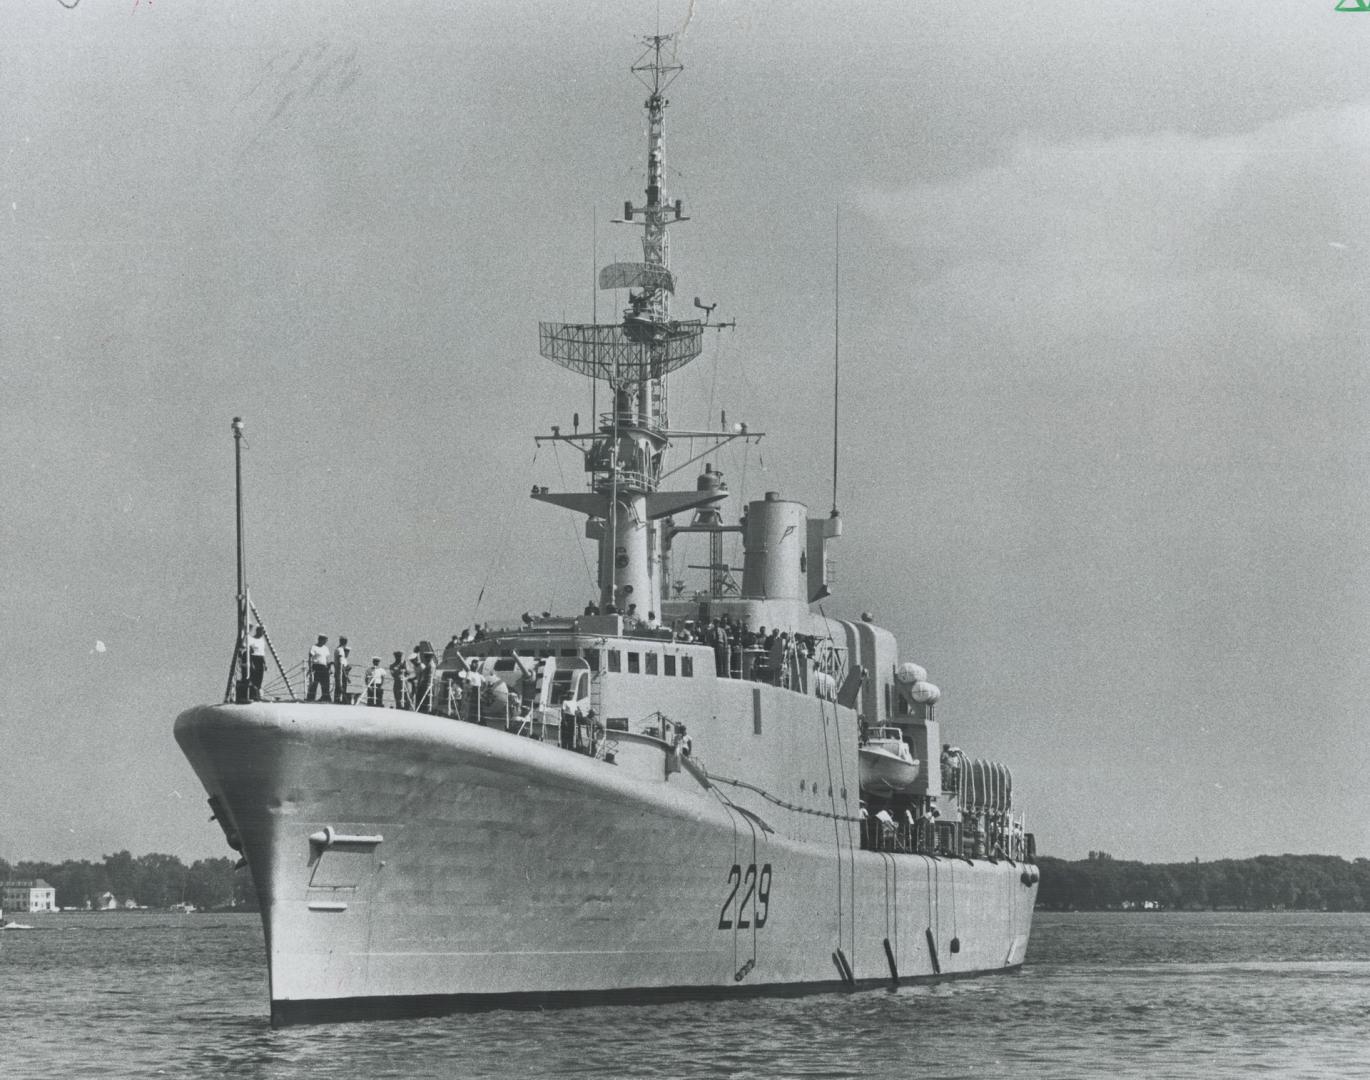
(624, 454)
(647, 345)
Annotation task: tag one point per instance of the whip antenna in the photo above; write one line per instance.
(836, 338)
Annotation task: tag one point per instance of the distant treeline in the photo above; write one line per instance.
(1289, 882)
(152, 881)
(1099, 883)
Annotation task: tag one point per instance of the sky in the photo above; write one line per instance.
(1103, 455)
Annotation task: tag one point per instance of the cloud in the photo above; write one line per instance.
(1148, 233)
(1137, 365)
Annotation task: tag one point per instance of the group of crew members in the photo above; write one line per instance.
(416, 686)
(776, 657)
(413, 679)
(906, 826)
(912, 826)
(773, 656)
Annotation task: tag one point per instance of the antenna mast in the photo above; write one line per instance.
(655, 76)
(626, 448)
(836, 338)
(238, 680)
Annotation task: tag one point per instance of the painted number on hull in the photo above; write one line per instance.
(749, 883)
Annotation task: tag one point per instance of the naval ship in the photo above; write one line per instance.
(670, 794)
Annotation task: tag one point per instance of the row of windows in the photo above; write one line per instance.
(648, 663)
(639, 663)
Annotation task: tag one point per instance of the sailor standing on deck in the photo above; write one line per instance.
(721, 645)
(951, 768)
(342, 664)
(430, 680)
(568, 724)
(319, 659)
(256, 651)
(398, 671)
(421, 678)
(375, 683)
(775, 657)
(927, 829)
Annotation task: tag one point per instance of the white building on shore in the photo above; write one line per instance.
(31, 895)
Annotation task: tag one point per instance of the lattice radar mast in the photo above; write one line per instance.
(625, 453)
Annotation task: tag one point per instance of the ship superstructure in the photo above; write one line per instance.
(625, 506)
(665, 795)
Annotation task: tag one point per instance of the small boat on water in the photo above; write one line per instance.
(887, 765)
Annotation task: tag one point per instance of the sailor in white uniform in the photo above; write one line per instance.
(320, 656)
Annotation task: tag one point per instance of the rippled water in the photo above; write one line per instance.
(1117, 995)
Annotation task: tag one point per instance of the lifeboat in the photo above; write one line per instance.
(887, 766)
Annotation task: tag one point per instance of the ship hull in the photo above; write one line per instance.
(411, 865)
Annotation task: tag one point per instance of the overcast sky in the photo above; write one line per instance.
(1104, 337)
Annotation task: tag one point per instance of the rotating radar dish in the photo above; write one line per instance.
(606, 352)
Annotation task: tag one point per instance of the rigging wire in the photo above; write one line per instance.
(266, 635)
(594, 307)
(580, 540)
(502, 549)
(734, 811)
(934, 901)
(752, 395)
(843, 766)
(742, 494)
(836, 829)
(713, 385)
(851, 855)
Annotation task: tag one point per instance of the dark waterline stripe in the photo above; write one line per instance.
(340, 1010)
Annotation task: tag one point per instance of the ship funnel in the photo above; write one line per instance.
(774, 562)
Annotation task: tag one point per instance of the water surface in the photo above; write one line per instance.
(1116, 995)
